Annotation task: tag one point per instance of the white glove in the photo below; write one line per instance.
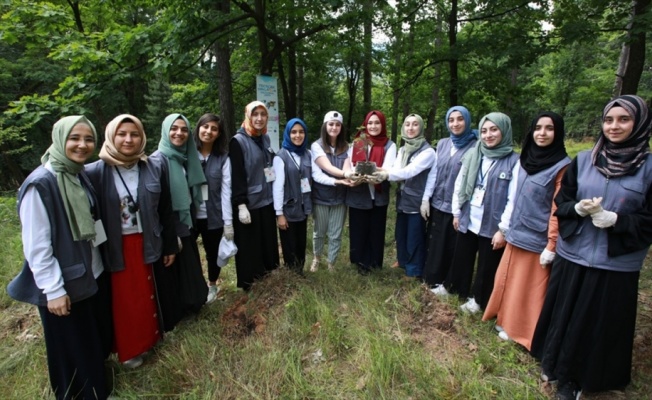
(604, 219)
(351, 175)
(546, 258)
(588, 206)
(228, 232)
(425, 209)
(243, 214)
(380, 176)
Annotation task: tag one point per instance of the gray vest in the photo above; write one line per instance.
(447, 169)
(259, 192)
(296, 205)
(528, 226)
(330, 195)
(495, 198)
(149, 192)
(182, 229)
(588, 245)
(359, 196)
(213, 174)
(74, 257)
(410, 192)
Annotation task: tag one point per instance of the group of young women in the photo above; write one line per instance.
(111, 257)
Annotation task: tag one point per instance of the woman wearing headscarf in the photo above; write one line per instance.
(63, 270)
(584, 337)
(483, 187)
(252, 177)
(368, 200)
(329, 154)
(183, 283)
(214, 215)
(522, 276)
(415, 159)
(292, 193)
(438, 196)
(137, 214)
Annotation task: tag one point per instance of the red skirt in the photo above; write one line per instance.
(135, 320)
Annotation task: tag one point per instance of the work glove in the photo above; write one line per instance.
(425, 209)
(546, 258)
(228, 232)
(243, 214)
(588, 206)
(379, 176)
(604, 219)
(352, 175)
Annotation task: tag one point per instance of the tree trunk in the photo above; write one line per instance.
(432, 113)
(291, 105)
(367, 8)
(452, 40)
(285, 89)
(632, 55)
(223, 71)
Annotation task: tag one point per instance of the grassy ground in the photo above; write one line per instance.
(328, 335)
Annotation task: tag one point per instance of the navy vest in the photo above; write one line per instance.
(588, 245)
(74, 257)
(259, 192)
(528, 226)
(447, 169)
(495, 198)
(410, 192)
(330, 195)
(213, 174)
(296, 205)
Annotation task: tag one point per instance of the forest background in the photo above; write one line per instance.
(149, 58)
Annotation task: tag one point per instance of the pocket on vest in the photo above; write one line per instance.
(73, 271)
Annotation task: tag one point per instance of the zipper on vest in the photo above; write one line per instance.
(597, 233)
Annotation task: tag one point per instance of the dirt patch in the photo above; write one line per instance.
(250, 311)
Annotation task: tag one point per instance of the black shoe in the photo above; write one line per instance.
(568, 391)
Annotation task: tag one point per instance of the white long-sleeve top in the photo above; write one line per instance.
(37, 245)
(278, 187)
(475, 221)
(432, 178)
(424, 160)
(390, 159)
(225, 197)
(318, 175)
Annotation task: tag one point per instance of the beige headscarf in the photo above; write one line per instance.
(247, 124)
(109, 154)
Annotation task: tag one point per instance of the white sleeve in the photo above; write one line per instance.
(37, 245)
(227, 209)
(432, 180)
(505, 218)
(317, 174)
(278, 186)
(421, 162)
(455, 202)
(390, 157)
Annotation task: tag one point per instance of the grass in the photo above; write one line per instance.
(328, 335)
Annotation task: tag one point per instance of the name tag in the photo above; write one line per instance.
(204, 192)
(477, 197)
(270, 175)
(305, 185)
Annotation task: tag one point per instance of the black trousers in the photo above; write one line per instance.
(293, 245)
(468, 246)
(211, 241)
(441, 239)
(367, 237)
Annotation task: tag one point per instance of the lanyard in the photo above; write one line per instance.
(484, 175)
(294, 161)
(131, 198)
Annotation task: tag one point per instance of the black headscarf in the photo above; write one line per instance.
(619, 159)
(534, 158)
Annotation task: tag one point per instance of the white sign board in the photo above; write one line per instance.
(267, 92)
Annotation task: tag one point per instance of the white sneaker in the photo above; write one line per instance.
(134, 362)
(213, 290)
(439, 290)
(470, 306)
(498, 328)
(314, 265)
(504, 336)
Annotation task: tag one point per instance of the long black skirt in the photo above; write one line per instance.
(257, 244)
(585, 333)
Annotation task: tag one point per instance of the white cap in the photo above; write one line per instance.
(333, 116)
(227, 250)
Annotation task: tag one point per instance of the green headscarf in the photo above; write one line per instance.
(73, 194)
(411, 144)
(184, 187)
(473, 158)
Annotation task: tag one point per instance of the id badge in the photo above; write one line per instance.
(204, 192)
(100, 233)
(138, 223)
(477, 197)
(270, 175)
(305, 185)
